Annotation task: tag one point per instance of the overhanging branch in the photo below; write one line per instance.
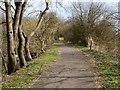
(40, 19)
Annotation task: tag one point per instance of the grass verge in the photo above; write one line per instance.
(107, 67)
(23, 77)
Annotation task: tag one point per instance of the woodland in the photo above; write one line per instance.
(26, 37)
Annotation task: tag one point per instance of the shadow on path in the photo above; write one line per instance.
(72, 70)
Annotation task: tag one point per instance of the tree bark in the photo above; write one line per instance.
(27, 51)
(21, 48)
(10, 39)
(24, 41)
(21, 37)
(3, 61)
(16, 22)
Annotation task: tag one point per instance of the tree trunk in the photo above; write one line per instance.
(27, 39)
(42, 46)
(21, 37)
(21, 48)
(16, 22)
(10, 39)
(90, 45)
(90, 42)
(27, 51)
(3, 61)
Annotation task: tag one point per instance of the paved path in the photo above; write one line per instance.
(72, 70)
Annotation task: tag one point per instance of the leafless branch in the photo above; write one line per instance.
(33, 12)
(2, 9)
(40, 19)
(62, 6)
(12, 7)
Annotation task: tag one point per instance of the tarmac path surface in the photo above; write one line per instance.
(72, 70)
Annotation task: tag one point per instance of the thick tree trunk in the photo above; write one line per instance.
(21, 36)
(10, 39)
(21, 48)
(27, 51)
(16, 22)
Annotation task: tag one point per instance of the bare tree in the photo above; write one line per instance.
(87, 18)
(95, 13)
(27, 38)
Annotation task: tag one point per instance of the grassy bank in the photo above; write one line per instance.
(107, 68)
(22, 78)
